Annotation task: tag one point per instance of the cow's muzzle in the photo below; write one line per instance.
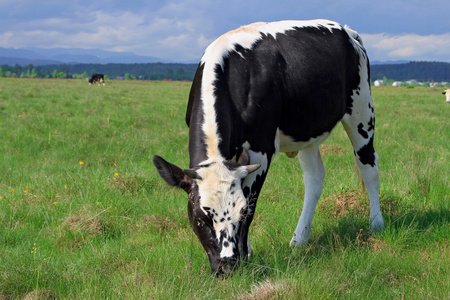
(224, 267)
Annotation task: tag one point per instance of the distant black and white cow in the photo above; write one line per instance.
(99, 78)
(447, 95)
(259, 90)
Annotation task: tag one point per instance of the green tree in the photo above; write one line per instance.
(61, 75)
(128, 76)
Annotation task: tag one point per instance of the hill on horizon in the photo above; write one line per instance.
(43, 56)
(117, 64)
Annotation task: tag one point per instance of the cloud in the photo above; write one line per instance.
(384, 46)
(139, 32)
(181, 29)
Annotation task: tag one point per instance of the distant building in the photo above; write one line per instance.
(378, 82)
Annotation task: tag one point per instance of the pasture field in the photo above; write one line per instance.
(84, 215)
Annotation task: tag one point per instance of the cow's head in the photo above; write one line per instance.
(216, 205)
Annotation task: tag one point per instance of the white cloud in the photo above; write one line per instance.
(384, 46)
(181, 29)
(153, 35)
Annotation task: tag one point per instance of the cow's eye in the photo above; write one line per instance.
(200, 222)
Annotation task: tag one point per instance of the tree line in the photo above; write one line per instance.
(150, 71)
(420, 71)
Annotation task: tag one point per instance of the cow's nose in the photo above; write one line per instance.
(225, 267)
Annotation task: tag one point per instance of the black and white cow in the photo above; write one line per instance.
(447, 95)
(99, 78)
(259, 90)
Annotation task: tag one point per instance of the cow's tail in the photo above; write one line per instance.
(363, 186)
(355, 35)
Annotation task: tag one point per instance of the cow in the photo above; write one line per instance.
(99, 78)
(447, 95)
(259, 90)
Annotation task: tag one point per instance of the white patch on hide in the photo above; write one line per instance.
(220, 191)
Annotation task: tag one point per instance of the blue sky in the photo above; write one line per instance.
(180, 30)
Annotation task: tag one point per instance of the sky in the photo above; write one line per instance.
(180, 30)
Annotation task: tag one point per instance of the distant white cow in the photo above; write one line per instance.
(447, 95)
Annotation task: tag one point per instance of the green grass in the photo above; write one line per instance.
(84, 214)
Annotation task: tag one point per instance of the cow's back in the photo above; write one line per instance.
(283, 75)
(305, 75)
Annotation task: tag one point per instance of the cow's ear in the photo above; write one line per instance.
(244, 158)
(172, 174)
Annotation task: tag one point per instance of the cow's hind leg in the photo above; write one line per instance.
(360, 126)
(313, 175)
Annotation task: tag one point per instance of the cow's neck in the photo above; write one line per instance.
(213, 145)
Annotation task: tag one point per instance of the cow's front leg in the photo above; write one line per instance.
(251, 187)
(245, 247)
(313, 175)
(252, 197)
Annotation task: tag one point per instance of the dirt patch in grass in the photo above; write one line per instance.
(266, 290)
(158, 222)
(90, 226)
(377, 244)
(130, 184)
(345, 202)
(76, 229)
(391, 205)
(41, 294)
(330, 149)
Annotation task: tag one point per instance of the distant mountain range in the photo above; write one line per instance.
(388, 62)
(116, 64)
(55, 56)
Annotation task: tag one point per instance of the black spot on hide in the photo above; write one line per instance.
(367, 154)
(362, 132)
(371, 124)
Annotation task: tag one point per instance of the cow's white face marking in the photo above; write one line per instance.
(222, 200)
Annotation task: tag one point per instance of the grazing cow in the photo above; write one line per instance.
(97, 78)
(447, 95)
(259, 90)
